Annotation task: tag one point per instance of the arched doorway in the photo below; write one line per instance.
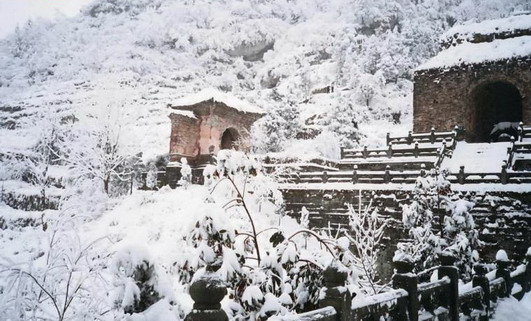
(229, 139)
(497, 112)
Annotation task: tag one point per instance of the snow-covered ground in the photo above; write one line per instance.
(511, 309)
(477, 158)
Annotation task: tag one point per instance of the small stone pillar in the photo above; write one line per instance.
(504, 176)
(390, 150)
(298, 177)
(423, 170)
(502, 271)
(527, 276)
(521, 131)
(461, 176)
(416, 149)
(409, 137)
(404, 278)
(342, 152)
(207, 292)
(325, 177)
(387, 138)
(336, 294)
(432, 135)
(480, 279)
(450, 299)
(365, 153)
(387, 174)
(355, 174)
(444, 144)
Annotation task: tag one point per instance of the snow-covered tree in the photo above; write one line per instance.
(367, 230)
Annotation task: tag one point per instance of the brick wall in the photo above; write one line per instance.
(184, 140)
(444, 98)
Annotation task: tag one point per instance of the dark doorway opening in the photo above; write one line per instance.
(498, 110)
(229, 139)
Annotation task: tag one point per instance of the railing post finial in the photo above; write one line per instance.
(335, 277)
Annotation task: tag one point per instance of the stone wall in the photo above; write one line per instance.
(502, 218)
(444, 98)
(184, 139)
(194, 137)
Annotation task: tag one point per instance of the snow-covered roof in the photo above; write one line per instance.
(185, 113)
(486, 27)
(219, 96)
(475, 53)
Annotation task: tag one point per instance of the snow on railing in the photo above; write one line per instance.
(442, 298)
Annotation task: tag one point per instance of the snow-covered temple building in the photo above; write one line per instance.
(206, 122)
(481, 80)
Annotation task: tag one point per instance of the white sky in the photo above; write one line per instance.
(13, 12)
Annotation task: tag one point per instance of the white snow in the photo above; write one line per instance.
(476, 53)
(514, 310)
(219, 96)
(501, 255)
(477, 158)
(490, 26)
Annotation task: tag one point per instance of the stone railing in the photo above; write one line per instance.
(393, 150)
(411, 301)
(432, 137)
(503, 177)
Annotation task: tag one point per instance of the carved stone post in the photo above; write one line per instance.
(502, 271)
(387, 138)
(481, 280)
(404, 278)
(387, 174)
(416, 150)
(365, 153)
(504, 177)
(451, 297)
(461, 176)
(527, 276)
(390, 150)
(521, 131)
(336, 294)
(207, 292)
(355, 174)
(409, 137)
(325, 177)
(432, 135)
(423, 170)
(342, 150)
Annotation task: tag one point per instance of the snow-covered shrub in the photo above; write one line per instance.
(430, 194)
(269, 269)
(277, 127)
(186, 174)
(367, 230)
(462, 237)
(63, 282)
(136, 279)
(459, 235)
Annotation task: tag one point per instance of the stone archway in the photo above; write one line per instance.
(497, 110)
(229, 139)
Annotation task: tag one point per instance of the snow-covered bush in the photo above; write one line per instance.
(457, 235)
(137, 280)
(63, 282)
(430, 194)
(462, 237)
(367, 230)
(186, 174)
(270, 269)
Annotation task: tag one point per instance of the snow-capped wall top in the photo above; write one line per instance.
(219, 96)
(474, 53)
(486, 27)
(185, 113)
